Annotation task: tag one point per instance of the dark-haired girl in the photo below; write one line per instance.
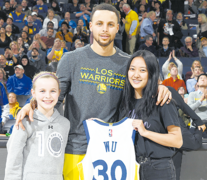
(158, 127)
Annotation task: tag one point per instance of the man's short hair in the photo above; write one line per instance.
(189, 37)
(35, 49)
(107, 7)
(147, 37)
(50, 29)
(18, 5)
(50, 22)
(166, 38)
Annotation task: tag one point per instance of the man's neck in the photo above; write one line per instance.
(49, 37)
(202, 88)
(3, 66)
(174, 77)
(20, 77)
(165, 46)
(11, 105)
(103, 50)
(147, 45)
(8, 33)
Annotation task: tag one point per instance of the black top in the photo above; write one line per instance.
(15, 29)
(150, 48)
(3, 15)
(9, 71)
(174, 39)
(73, 9)
(5, 43)
(159, 120)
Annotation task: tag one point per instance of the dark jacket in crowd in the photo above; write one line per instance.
(185, 52)
(12, 37)
(177, 6)
(29, 70)
(174, 39)
(150, 48)
(162, 53)
(3, 15)
(15, 29)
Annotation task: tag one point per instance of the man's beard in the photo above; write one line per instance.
(103, 44)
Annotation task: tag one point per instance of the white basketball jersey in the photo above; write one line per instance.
(110, 154)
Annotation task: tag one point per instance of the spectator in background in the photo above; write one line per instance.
(33, 28)
(63, 45)
(25, 8)
(189, 74)
(50, 17)
(84, 29)
(78, 43)
(203, 47)
(17, 52)
(83, 12)
(21, 45)
(29, 70)
(17, 15)
(4, 40)
(25, 37)
(143, 2)
(49, 40)
(147, 26)
(1, 22)
(166, 67)
(74, 7)
(182, 91)
(42, 54)
(201, 29)
(197, 3)
(55, 7)
(190, 8)
(56, 52)
(42, 8)
(119, 34)
(181, 22)
(80, 35)
(68, 20)
(7, 8)
(131, 27)
(140, 11)
(40, 17)
(3, 78)
(35, 61)
(36, 21)
(203, 8)
(189, 50)
(10, 110)
(19, 83)
(9, 55)
(144, 16)
(198, 100)
(148, 45)
(165, 50)
(88, 5)
(173, 81)
(190, 83)
(158, 10)
(13, 4)
(64, 33)
(170, 28)
(9, 33)
(43, 32)
(120, 9)
(15, 29)
(8, 69)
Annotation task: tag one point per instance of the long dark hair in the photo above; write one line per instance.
(147, 103)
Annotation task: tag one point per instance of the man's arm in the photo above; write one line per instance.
(9, 85)
(51, 53)
(133, 27)
(64, 76)
(79, 14)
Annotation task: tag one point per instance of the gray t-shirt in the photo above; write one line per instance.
(92, 85)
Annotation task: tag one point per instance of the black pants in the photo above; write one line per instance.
(157, 169)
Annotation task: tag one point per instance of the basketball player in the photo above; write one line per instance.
(92, 79)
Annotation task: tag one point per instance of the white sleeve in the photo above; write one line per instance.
(165, 69)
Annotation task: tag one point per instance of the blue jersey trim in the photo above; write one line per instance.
(113, 124)
(86, 131)
(133, 135)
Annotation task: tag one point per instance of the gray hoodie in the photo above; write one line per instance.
(38, 63)
(38, 152)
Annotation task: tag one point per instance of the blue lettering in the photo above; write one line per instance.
(123, 168)
(106, 144)
(113, 149)
(103, 171)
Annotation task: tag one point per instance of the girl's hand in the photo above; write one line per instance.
(139, 126)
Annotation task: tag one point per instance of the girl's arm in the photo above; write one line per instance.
(15, 147)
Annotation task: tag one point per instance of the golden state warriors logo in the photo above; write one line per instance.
(101, 88)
